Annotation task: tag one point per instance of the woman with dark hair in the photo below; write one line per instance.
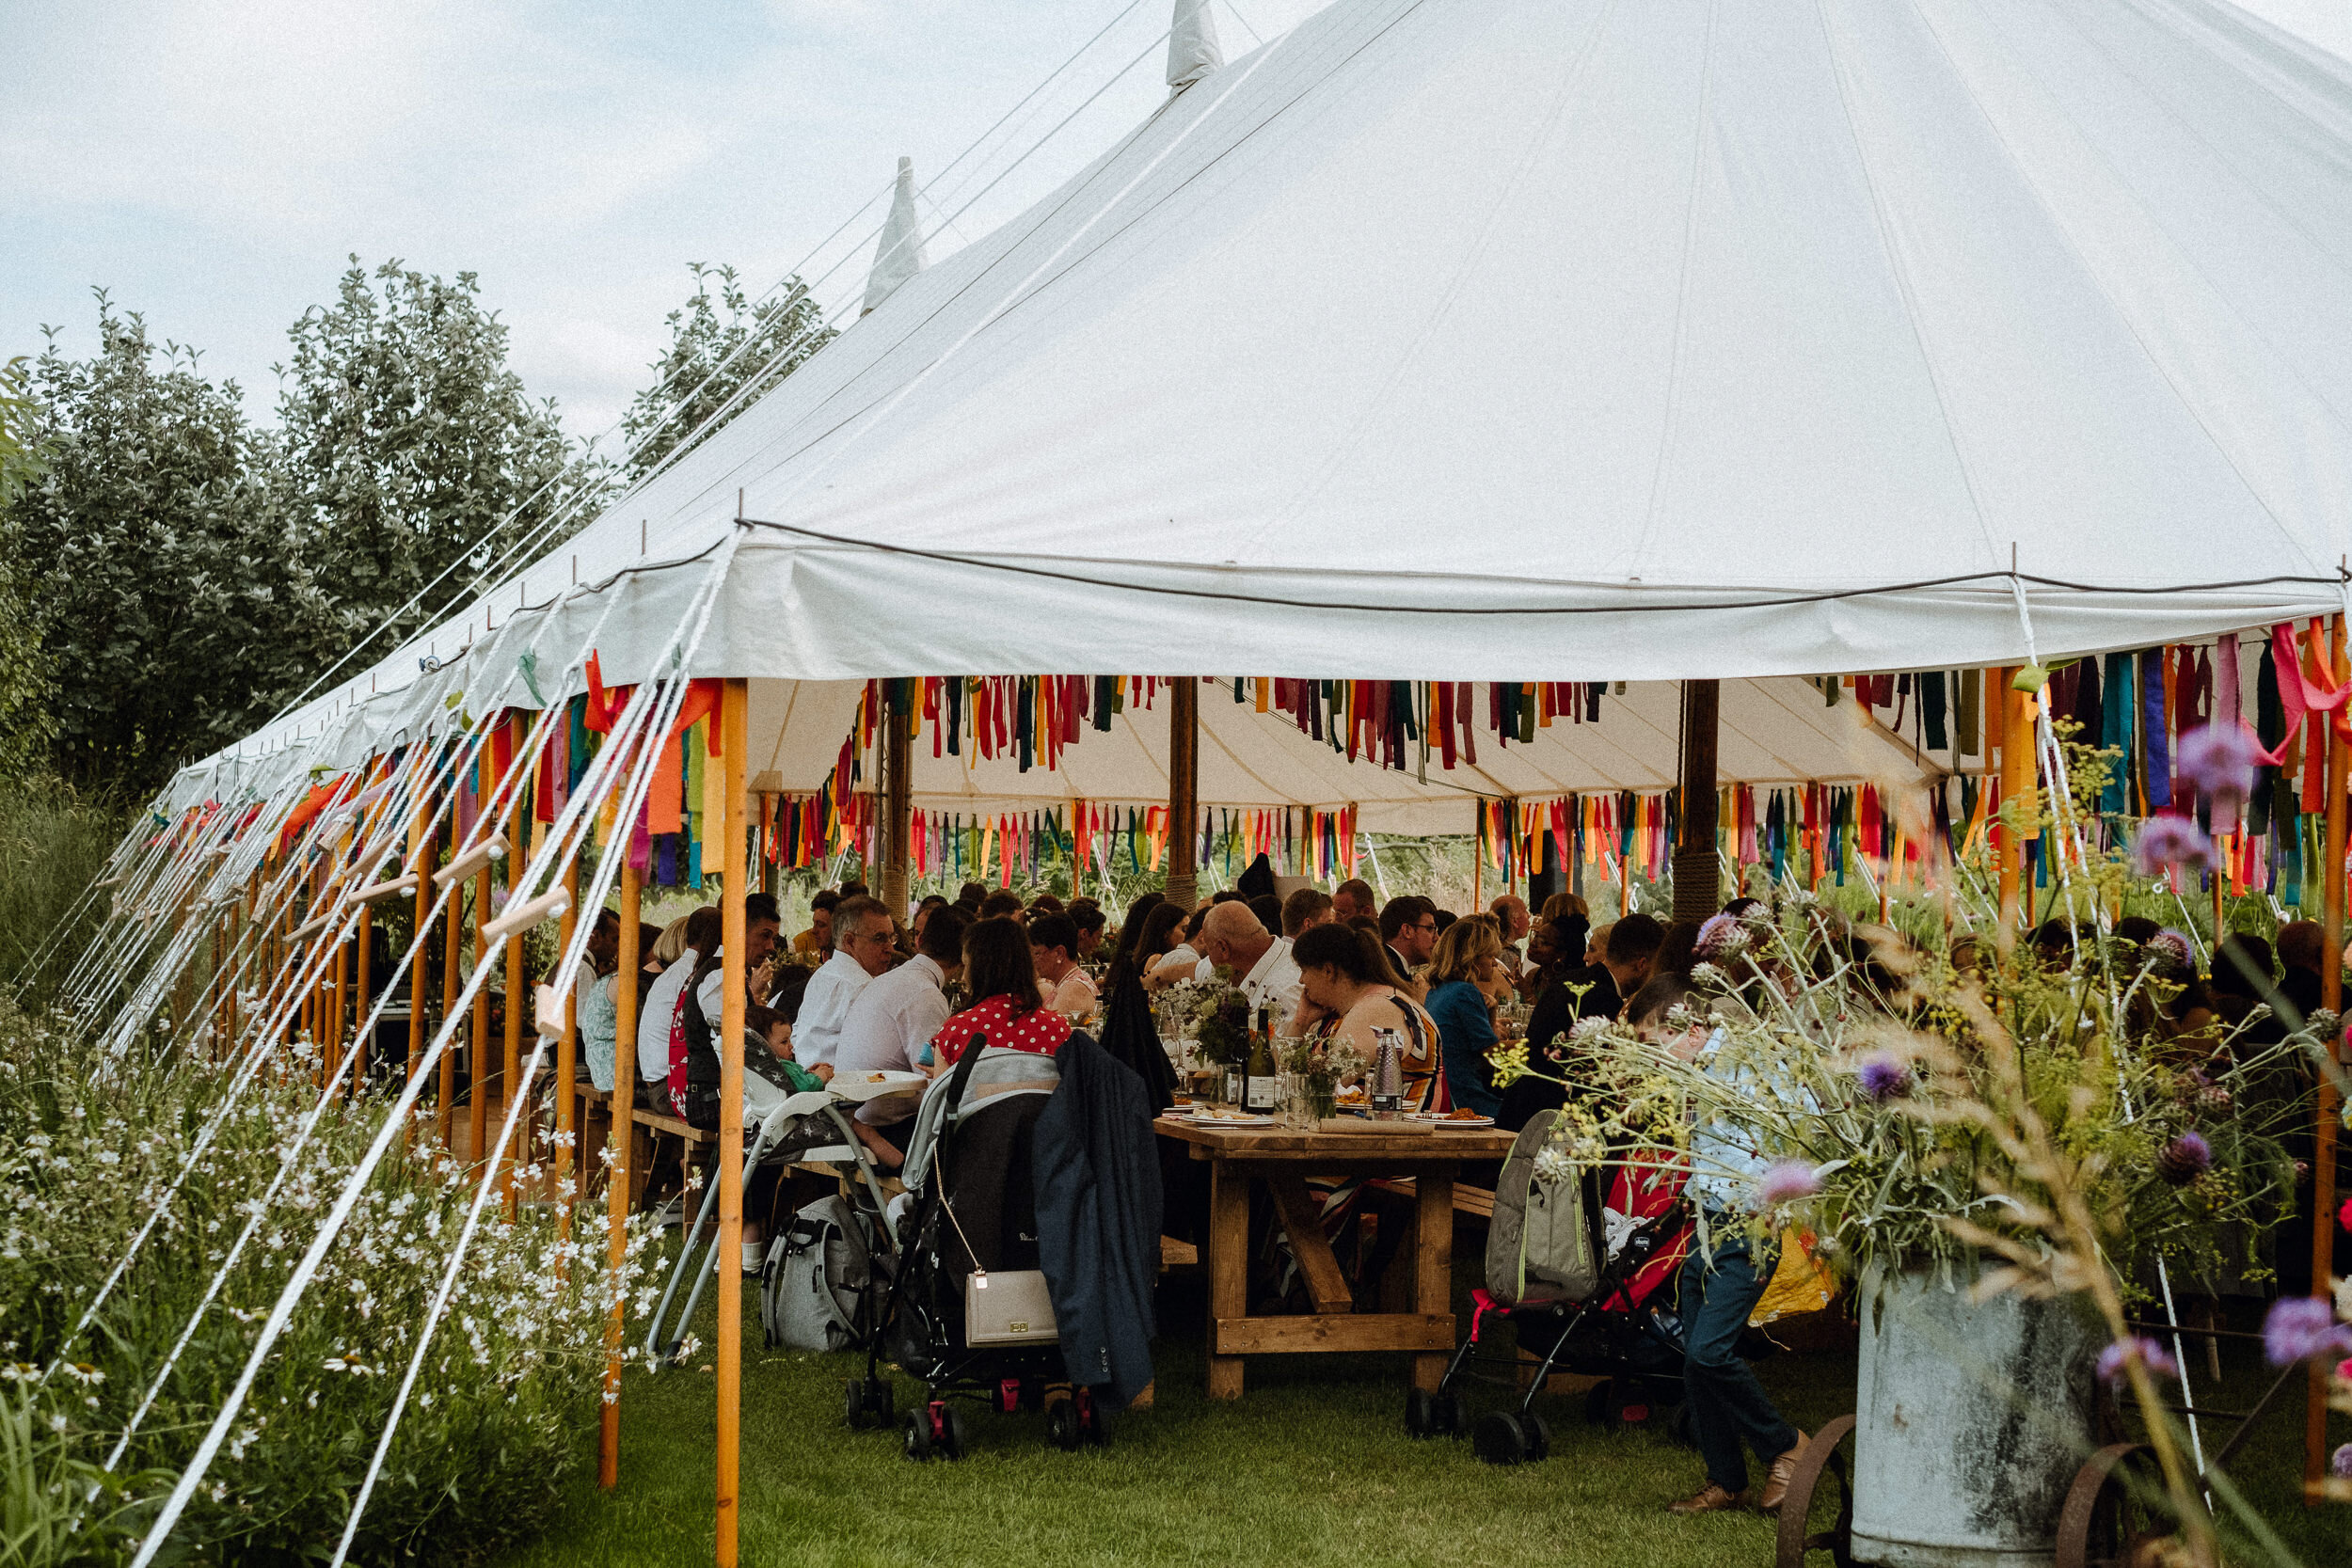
(1000, 977)
(1349, 991)
(1163, 929)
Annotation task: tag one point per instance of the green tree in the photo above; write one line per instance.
(173, 596)
(25, 724)
(724, 351)
(412, 450)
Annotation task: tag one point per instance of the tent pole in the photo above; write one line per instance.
(422, 842)
(362, 952)
(2323, 1154)
(620, 1139)
(732, 704)
(897, 802)
(511, 1045)
(567, 1060)
(2001, 704)
(478, 1092)
(1183, 887)
(1697, 866)
(453, 933)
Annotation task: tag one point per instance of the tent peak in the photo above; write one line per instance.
(1193, 51)
(899, 255)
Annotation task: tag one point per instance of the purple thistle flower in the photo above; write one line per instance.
(2168, 841)
(2219, 761)
(1790, 1181)
(2340, 1463)
(2301, 1327)
(2168, 954)
(1722, 937)
(1884, 1078)
(2151, 1355)
(2184, 1159)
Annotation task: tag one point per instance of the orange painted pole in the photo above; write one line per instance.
(510, 1053)
(566, 1059)
(422, 843)
(621, 1139)
(2324, 1155)
(362, 962)
(453, 933)
(732, 704)
(478, 1095)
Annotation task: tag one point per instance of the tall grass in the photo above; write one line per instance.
(54, 841)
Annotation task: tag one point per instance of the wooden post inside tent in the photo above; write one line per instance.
(567, 1055)
(1478, 860)
(1182, 886)
(2002, 707)
(1698, 875)
(620, 1139)
(422, 842)
(733, 702)
(338, 974)
(511, 1046)
(2333, 657)
(453, 933)
(897, 811)
(478, 1091)
(361, 955)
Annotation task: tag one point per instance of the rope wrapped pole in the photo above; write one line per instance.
(1184, 791)
(1697, 869)
(621, 1140)
(2332, 659)
(733, 702)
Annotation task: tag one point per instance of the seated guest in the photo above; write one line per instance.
(1468, 958)
(1151, 933)
(761, 926)
(862, 948)
(816, 942)
(1598, 991)
(1061, 984)
(1087, 918)
(1184, 962)
(1353, 901)
(1677, 949)
(1000, 976)
(1046, 903)
(2302, 951)
(922, 917)
(1003, 905)
(1306, 907)
(1231, 938)
(596, 1007)
(1267, 908)
(1348, 994)
(1511, 919)
(1408, 925)
(659, 1019)
(892, 1022)
(969, 896)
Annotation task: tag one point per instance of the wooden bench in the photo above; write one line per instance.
(1177, 1255)
(1475, 1203)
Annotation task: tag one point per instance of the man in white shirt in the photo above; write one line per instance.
(1065, 987)
(763, 927)
(1234, 939)
(891, 1025)
(862, 934)
(659, 1012)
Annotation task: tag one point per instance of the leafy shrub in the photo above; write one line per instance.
(510, 1385)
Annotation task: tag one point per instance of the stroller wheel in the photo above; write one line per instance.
(1061, 1425)
(854, 1400)
(1538, 1439)
(1500, 1439)
(1445, 1412)
(951, 1432)
(1420, 1415)
(918, 1440)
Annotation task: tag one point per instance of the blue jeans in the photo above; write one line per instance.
(1728, 1404)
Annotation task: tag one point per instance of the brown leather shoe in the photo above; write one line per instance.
(1712, 1499)
(1776, 1478)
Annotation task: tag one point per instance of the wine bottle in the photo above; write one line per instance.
(1261, 1098)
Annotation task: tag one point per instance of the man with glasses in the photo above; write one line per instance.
(1408, 924)
(863, 942)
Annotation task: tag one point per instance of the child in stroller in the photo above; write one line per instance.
(1612, 1318)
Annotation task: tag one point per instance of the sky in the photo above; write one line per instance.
(213, 164)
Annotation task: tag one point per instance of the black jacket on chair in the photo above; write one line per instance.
(1098, 1218)
(1133, 1039)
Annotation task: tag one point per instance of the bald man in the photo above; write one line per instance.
(1234, 938)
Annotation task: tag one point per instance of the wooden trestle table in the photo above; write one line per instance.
(1282, 1158)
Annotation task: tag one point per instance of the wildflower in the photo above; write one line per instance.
(1588, 1028)
(1790, 1181)
(1722, 936)
(1553, 1166)
(2219, 761)
(2184, 1159)
(2150, 1353)
(2343, 1215)
(1705, 974)
(2168, 955)
(56, 1423)
(2167, 841)
(1885, 1077)
(2301, 1327)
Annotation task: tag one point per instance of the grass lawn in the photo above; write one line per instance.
(1312, 1468)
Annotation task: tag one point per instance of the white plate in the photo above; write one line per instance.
(1231, 1121)
(873, 1085)
(1442, 1119)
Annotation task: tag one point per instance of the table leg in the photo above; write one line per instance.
(1228, 1270)
(1433, 1262)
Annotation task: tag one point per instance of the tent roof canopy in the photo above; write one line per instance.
(1570, 340)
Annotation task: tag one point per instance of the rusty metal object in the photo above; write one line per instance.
(2105, 1523)
(1796, 1509)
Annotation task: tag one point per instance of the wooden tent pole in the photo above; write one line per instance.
(2324, 1155)
(422, 842)
(478, 1092)
(733, 740)
(360, 967)
(510, 1048)
(453, 933)
(1183, 885)
(1697, 870)
(567, 1057)
(897, 811)
(2006, 707)
(621, 1140)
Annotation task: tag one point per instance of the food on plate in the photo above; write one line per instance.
(1465, 1114)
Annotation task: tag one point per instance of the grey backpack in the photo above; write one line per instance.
(1540, 1245)
(816, 1278)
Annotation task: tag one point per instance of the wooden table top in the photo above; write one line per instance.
(1290, 1142)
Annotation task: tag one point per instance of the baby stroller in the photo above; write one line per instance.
(969, 1311)
(808, 1127)
(1604, 1311)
